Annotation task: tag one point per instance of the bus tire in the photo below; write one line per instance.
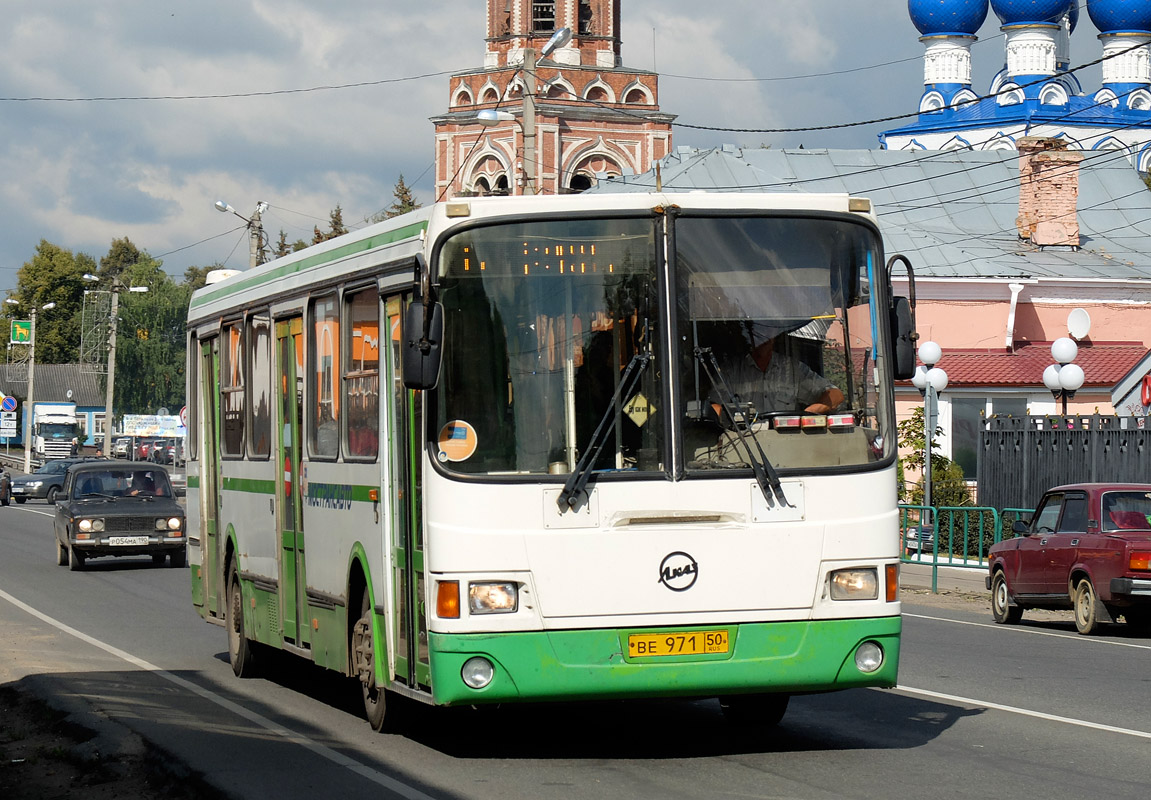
(363, 661)
(241, 653)
(755, 710)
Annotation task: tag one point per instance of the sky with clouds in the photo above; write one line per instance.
(89, 151)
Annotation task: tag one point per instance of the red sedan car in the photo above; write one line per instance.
(1086, 548)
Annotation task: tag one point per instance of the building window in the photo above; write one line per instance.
(585, 17)
(543, 17)
(967, 415)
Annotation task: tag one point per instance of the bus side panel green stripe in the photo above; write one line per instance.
(335, 254)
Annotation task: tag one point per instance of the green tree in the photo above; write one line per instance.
(53, 275)
(948, 486)
(404, 201)
(335, 227)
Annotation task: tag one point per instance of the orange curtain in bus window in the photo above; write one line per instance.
(233, 392)
(362, 382)
(326, 355)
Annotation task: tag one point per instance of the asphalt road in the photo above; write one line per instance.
(982, 711)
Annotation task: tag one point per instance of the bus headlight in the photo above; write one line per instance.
(90, 525)
(493, 598)
(477, 672)
(868, 657)
(854, 584)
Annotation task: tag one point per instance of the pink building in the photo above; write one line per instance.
(594, 117)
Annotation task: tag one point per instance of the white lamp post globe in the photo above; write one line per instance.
(930, 353)
(919, 378)
(1051, 377)
(1064, 350)
(1071, 377)
(937, 378)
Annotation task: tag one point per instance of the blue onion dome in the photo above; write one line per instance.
(955, 17)
(1031, 12)
(1120, 16)
(1074, 15)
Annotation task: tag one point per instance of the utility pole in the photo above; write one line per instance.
(29, 422)
(116, 286)
(530, 186)
(256, 237)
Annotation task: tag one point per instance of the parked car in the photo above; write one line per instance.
(122, 447)
(111, 508)
(5, 487)
(45, 482)
(920, 540)
(1087, 548)
(163, 451)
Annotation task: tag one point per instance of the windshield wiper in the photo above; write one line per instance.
(765, 474)
(573, 491)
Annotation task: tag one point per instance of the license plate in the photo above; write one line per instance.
(127, 540)
(683, 643)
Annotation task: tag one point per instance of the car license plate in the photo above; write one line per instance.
(682, 643)
(127, 540)
(17, 490)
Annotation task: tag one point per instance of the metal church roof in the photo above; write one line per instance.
(951, 212)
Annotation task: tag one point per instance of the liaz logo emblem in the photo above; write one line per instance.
(678, 571)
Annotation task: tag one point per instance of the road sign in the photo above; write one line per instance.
(21, 331)
(184, 416)
(8, 403)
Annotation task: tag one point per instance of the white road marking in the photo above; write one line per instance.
(1021, 629)
(969, 701)
(389, 783)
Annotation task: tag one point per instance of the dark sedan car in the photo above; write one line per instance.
(1086, 548)
(5, 486)
(112, 508)
(45, 482)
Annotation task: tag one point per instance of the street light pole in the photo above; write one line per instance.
(255, 231)
(113, 325)
(931, 381)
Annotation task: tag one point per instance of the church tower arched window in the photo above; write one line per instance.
(543, 17)
(586, 17)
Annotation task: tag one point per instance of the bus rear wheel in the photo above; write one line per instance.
(364, 661)
(241, 652)
(755, 710)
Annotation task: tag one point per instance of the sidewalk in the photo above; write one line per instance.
(949, 579)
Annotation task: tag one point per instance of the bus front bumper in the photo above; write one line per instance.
(792, 657)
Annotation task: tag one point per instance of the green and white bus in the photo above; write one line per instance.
(490, 452)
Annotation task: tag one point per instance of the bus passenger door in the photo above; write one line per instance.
(289, 509)
(407, 540)
(209, 533)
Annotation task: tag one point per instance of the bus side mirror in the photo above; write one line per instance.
(422, 337)
(902, 339)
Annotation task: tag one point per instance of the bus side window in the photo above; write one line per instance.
(232, 389)
(361, 384)
(324, 354)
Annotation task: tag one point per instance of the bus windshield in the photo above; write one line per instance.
(777, 343)
(774, 346)
(542, 319)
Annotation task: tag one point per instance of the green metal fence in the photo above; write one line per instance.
(960, 536)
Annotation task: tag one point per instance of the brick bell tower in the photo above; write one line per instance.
(593, 116)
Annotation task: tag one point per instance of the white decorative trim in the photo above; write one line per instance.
(1132, 66)
(1031, 51)
(638, 85)
(1011, 95)
(947, 59)
(932, 101)
(1106, 96)
(1000, 141)
(599, 83)
(1053, 94)
(957, 142)
(964, 97)
(568, 90)
(1139, 100)
(489, 86)
(463, 96)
